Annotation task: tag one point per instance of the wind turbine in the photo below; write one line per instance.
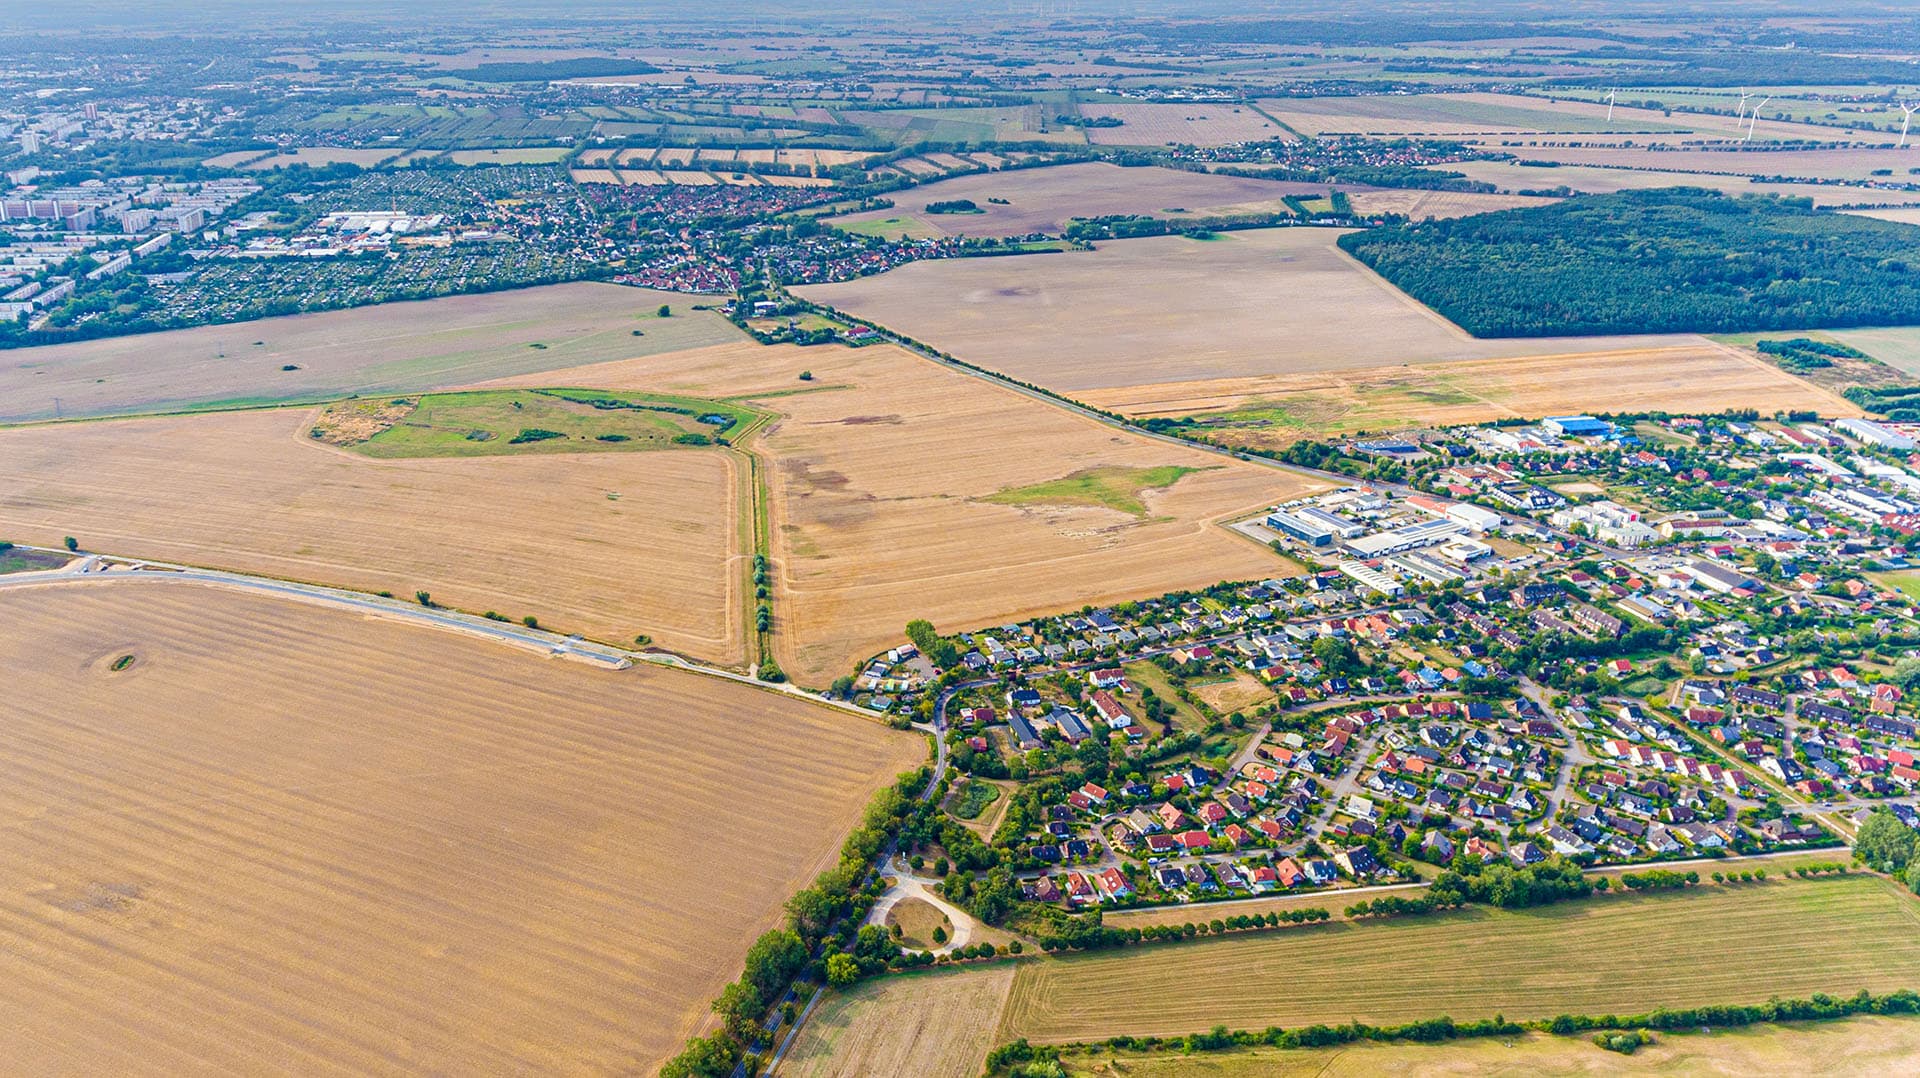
(1755, 118)
(1742, 112)
(1906, 123)
(1610, 96)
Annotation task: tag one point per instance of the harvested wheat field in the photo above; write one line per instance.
(930, 1025)
(1906, 215)
(605, 544)
(1046, 199)
(1470, 114)
(1613, 955)
(1423, 205)
(1192, 124)
(1170, 309)
(288, 839)
(1856, 164)
(389, 348)
(1278, 410)
(881, 472)
(1826, 1049)
(1595, 180)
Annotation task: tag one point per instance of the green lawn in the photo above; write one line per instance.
(1105, 488)
(514, 421)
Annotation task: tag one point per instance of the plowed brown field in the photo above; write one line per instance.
(287, 839)
(606, 544)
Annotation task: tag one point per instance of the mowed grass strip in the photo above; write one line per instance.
(1616, 954)
(1115, 488)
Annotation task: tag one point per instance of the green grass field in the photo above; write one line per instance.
(1898, 347)
(1645, 685)
(911, 228)
(1906, 583)
(1616, 954)
(1148, 676)
(1104, 488)
(514, 421)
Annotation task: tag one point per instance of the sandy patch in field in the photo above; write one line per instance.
(1241, 690)
(1150, 311)
(877, 468)
(605, 544)
(290, 839)
(387, 348)
(1703, 377)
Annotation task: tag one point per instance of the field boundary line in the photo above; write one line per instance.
(1452, 330)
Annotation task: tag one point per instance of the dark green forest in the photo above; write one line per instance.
(1662, 261)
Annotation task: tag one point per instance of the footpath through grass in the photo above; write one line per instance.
(1611, 954)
